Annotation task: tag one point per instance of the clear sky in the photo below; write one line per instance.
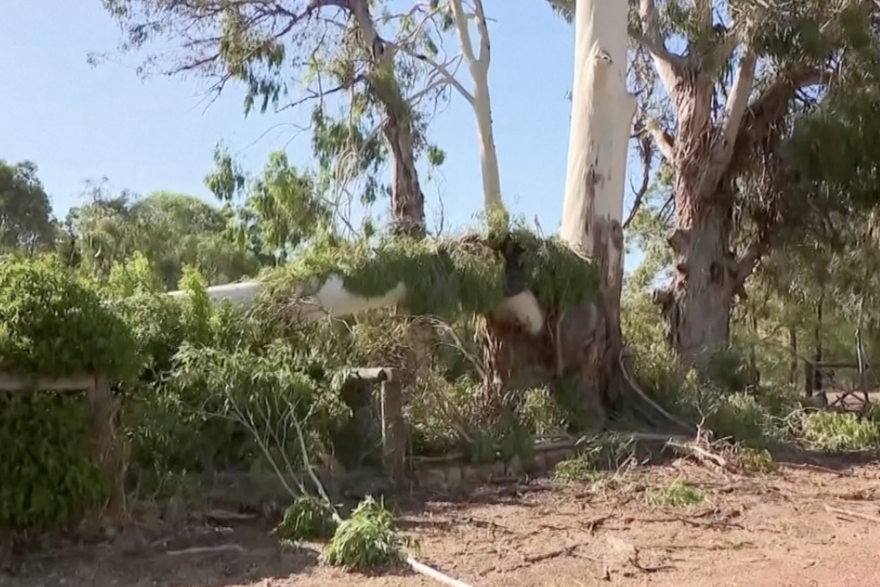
(78, 122)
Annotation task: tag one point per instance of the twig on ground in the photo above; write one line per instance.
(207, 549)
(565, 551)
(852, 514)
(813, 467)
(594, 523)
(634, 561)
(703, 455)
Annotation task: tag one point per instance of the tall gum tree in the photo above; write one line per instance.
(739, 71)
(602, 115)
(269, 47)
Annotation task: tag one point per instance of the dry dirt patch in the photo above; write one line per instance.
(797, 527)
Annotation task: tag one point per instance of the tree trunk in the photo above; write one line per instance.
(589, 337)
(793, 356)
(699, 303)
(407, 199)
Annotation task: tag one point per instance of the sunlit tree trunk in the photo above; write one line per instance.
(601, 119)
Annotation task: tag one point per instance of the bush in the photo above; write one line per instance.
(308, 518)
(51, 324)
(46, 476)
(366, 539)
(842, 431)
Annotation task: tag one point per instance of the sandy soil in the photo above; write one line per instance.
(788, 529)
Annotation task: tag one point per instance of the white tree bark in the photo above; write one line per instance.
(602, 114)
(478, 65)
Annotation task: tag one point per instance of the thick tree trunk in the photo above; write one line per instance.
(699, 304)
(407, 199)
(589, 337)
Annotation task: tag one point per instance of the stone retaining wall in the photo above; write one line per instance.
(435, 475)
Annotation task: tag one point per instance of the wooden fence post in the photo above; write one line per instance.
(393, 430)
(105, 450)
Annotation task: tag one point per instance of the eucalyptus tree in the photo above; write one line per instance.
(733, 75)
(369, 62)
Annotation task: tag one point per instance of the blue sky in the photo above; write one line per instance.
(78, 122)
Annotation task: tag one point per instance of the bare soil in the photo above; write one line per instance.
(800, 526)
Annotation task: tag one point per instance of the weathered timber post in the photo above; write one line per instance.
(393, 431)
(104, 447)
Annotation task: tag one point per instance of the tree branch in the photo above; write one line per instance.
(726, 138)
(442, 70)
(647, 155)
(749, 260)
(663, 140)
(763, 113)
(483, 32)
(477, 64)
(668, 64)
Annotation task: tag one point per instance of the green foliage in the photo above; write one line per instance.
(25, 211)
(677, 494)
(219, 394)
(308, 518)
(47, 477)
(573, 470)
(53, 325)
(443, 278)
(164, 231)
(609, 451)
(756, 460)
(842, 431)
(365, 539)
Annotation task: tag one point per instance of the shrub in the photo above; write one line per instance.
(366, 539)
(677, 494)
(308, 518)
(52, 325)
(46, 477)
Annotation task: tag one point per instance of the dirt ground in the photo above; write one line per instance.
(800, 526)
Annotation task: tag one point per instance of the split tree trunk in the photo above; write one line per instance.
(407, 199)
(578, 353)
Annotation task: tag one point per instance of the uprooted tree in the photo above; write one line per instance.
(735, 79)
(551, 307)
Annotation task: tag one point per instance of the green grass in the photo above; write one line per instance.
(841, 431)
(676, 495)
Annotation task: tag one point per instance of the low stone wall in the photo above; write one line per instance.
(443, 474)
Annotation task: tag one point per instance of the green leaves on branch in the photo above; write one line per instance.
(446, 278)
(47, 477)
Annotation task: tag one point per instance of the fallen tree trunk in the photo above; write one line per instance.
(445, 279)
